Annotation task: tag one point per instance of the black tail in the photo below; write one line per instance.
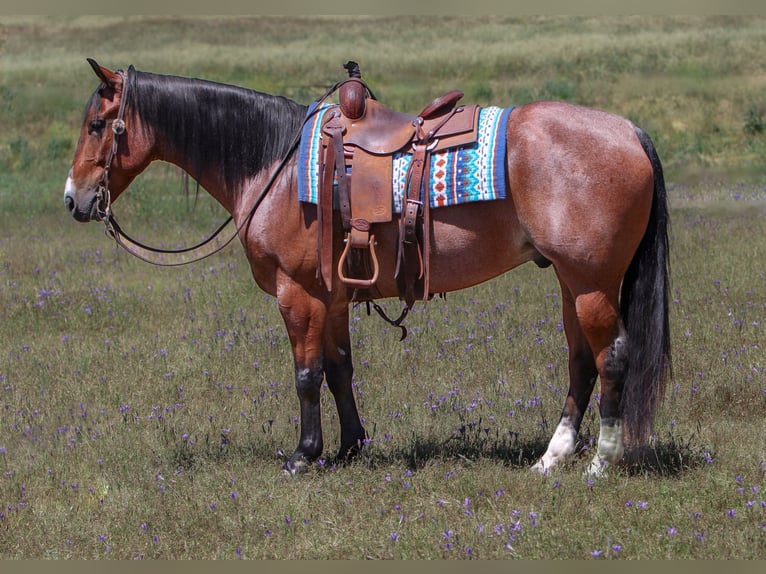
(644, 307)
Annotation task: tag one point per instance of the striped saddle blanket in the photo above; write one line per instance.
(475, 172)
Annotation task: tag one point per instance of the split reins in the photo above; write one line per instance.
(125, 241)
(122, 239)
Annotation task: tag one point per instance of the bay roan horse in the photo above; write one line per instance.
(585, 193)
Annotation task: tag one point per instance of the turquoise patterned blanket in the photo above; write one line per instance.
(470, 173)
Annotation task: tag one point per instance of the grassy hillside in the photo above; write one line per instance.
(696, 83)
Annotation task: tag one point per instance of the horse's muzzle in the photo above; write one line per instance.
(82, 211)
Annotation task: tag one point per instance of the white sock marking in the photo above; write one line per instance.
(609, 451)
(562, 444)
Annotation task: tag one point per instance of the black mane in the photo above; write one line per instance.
(217, 126)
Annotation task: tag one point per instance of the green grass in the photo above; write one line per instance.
(143, 411)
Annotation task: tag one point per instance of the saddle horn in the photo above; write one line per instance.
(353, 93)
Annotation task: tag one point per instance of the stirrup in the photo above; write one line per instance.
(359, 283)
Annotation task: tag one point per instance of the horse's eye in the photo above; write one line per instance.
(96, 125)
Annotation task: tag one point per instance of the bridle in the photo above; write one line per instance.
(118, 128)
(104, 198)
(114, 230)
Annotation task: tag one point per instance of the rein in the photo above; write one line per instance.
(122, 239)
(125, 241)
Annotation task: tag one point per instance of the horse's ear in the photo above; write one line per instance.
(104, 74)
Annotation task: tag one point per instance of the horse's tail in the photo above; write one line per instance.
(644, 308)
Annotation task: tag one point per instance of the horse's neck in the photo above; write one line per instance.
(210, 180)
(230, 146)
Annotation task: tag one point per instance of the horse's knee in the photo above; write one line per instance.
(308, 382)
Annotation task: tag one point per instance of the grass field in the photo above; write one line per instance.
(143, 411)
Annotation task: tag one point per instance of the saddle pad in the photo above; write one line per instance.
(475, 172)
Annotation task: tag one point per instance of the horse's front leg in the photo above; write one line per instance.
(305, 319)
(339, 369)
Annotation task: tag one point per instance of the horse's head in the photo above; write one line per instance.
(110, 151)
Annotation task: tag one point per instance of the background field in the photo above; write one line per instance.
(143, 411)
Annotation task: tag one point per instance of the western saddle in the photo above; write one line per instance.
(359, 139)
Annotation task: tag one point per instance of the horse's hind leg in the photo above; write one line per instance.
(597, 345)
(598, 312)
(339, 370)
(582, 378)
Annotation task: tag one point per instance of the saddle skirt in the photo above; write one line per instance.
(474, 172)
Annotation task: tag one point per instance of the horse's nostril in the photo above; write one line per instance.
(69, 202)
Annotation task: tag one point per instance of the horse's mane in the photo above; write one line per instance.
(217, 126)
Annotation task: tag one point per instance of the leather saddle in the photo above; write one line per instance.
(360, 138)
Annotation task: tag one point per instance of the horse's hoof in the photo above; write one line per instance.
(341, 462)
(597, 469)
(346, 456)
(539, 468)
(296, 466)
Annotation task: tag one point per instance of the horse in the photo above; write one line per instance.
(585, 196)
